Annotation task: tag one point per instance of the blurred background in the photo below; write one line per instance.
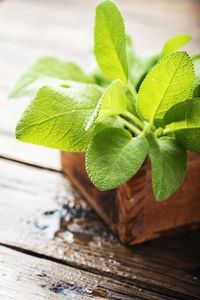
(64, 28)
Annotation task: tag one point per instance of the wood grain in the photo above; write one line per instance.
(47, 216)
(22, 274)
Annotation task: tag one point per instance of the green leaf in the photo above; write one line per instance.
(45, 71)
(138, 66)
(141, 67)
(97, 75)
(183, 115)
(113, 157)
(57, 118)
(196, 62)
(169, 164)
(130, 52)
(175, 43)
(99, 78)
(112, 102)
(131, 107)
(184, 119)
(169, 82)
(110, 48)
(189, 138)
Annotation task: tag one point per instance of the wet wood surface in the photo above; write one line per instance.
(52, 244)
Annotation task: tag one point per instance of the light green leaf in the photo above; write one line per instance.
(110, 48)
(45, 71)
(112, 102)
(196, 62)
(113, 157)
(169, 82)
(184, 115)
(57, 118)
(175, 43)
(169, 164)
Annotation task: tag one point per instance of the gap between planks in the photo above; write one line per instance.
(31, 164)
(138, 286)
(23, 276)
(149, 266)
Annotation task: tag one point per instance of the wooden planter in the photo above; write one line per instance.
(131, 210)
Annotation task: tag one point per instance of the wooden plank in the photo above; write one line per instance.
(23, 275)
(46, 215)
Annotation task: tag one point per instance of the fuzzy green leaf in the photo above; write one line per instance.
(45, 71)
(110, 49)
(57, 118)
(183, 115)
(196, 62)
(169, 164)
(169, 82)
(113, 157)
(175, 43)
(184, 119)
(113, 102)
(189, 138)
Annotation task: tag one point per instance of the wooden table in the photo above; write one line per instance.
(52, 244)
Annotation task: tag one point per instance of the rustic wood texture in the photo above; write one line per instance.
(48, 217)
(131, 210)
(48, 225)
(37, 277)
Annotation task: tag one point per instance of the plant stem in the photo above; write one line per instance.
(135, 119)
(148, 127)
(132, 128)
(167, 130)
(132, 89)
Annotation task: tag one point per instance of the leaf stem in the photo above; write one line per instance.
(167, 130)
(148, 127)
(135, 119)
(132, 89)
(132, 128)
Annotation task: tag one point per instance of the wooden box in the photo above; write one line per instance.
(131, 210)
